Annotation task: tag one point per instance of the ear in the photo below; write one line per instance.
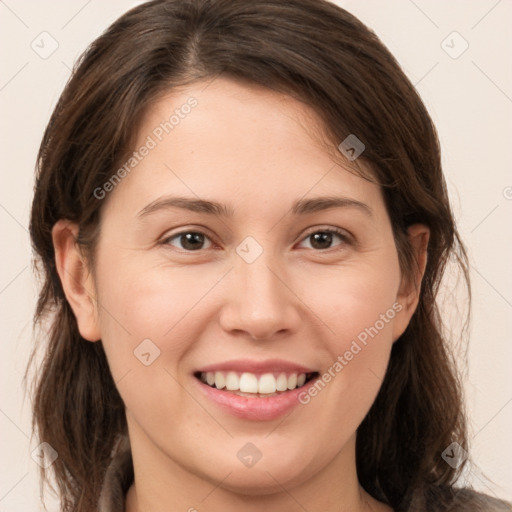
(409, 291)
(76, 280)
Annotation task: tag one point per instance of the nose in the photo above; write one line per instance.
(259, 300)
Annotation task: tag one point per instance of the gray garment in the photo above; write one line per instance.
(119, 478)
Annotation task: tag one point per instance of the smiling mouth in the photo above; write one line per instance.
(255, 385)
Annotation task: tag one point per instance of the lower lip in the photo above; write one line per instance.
(255, 409)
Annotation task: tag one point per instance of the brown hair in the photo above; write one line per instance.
(321, 54)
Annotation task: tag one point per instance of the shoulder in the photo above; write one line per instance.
(468, 500)
(481, 502)
(453, 499)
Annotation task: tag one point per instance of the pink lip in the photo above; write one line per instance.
(254, 409)
(256, 367)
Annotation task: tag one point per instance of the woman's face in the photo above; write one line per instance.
(254, 292)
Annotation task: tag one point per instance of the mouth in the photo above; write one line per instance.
(255, 385)
(255, 390)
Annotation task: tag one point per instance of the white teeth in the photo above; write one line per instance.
(266, 384)
(292, 381)
(220, 380)
(248, 383)
(232, 382)
(282, 382)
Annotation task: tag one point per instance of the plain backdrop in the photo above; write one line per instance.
(457, 54)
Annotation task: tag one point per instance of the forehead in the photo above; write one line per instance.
(247, 113)
(226, 139)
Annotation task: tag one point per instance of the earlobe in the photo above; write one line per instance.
(76, 279)
(409, 292)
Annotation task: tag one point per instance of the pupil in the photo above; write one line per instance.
(322, 238)
(192, 240)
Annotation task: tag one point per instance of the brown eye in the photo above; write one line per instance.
(188, 240)
(323, 239)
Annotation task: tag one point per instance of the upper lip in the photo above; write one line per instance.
(253, 366)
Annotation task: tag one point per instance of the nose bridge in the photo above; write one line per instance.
(261, 304)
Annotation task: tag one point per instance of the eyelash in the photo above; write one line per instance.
(341, 234)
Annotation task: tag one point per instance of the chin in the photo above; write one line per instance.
(267, 476)
(263, 481)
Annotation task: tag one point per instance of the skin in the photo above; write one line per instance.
(253, 150)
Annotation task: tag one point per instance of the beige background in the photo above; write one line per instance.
(470, 100)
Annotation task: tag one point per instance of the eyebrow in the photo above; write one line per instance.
(300, 207)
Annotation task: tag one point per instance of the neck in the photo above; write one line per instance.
(161, 484)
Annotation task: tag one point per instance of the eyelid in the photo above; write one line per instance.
(332, 229)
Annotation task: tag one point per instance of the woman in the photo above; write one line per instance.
(242, 223)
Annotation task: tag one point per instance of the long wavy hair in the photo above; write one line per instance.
(322, 55)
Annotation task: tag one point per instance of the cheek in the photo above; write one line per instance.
(141, 301)
(355, 298)
(146, 334)
(359, 306)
